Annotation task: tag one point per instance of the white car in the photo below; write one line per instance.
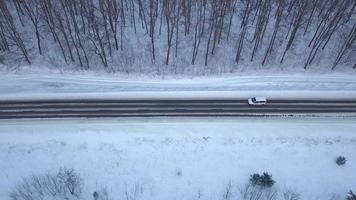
(257, 101)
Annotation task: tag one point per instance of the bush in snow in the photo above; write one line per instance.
(66, 184)
(340, 160)
(179, 172)
(101, 194)
(227, 192)
(96, 195)
(291, 195)
(254, 192)
(351, 196)
(264, 180)
(72, 181)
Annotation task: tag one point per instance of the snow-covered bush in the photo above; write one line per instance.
(255, 192)
(71, 180)
(260, 188)
(351, 196)
(96, 195)
(291, 195)
(179, 172)
(228, 192)
(66, 185)
(340, 160)
(264, 180)
(101, 194)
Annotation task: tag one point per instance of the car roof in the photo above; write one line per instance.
(260, 98)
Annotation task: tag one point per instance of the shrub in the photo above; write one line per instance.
(179, 172)
(101, 194)
(340, 160)
(71, 180)
(96, 195)
(227, 192)
(264, 180)
(250, 192)
(66, 184)
(255, 179)
(291, 195)
(351, 196)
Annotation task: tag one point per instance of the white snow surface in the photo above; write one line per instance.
(29, 86)
(179, 158)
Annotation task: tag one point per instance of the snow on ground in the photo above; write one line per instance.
(179, 158)
(14, 86)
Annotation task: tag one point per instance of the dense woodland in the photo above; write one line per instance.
(209, 36)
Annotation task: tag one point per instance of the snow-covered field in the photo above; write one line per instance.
(14, 86)
(162, 159)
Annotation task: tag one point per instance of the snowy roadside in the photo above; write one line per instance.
(179, 158)
(281, 87)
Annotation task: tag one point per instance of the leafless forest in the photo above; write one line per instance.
(178, 36)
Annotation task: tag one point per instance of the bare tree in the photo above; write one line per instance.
(296, 22)
(10, 28)
(220, 14)
(313, 9)
(212, 21)
(328, 28)
(279, 14)
(152, 24)
(32, 9)
(49, 18)
(96, 37)
(91, 30)
(243, 28)
(198, 29)
(231, 10)
(350, 39)
(187, 7)
(170, 14)
(262, 22)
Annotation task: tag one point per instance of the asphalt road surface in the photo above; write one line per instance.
(168, 108)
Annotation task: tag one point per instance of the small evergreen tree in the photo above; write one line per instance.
(340, 160)
(255, 179)
(351, 196)
(96, 195)
(264, 180)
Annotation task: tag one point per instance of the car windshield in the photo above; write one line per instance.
(254, 99)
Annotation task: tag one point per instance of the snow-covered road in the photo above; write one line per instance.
(67, 83)
(74, 86)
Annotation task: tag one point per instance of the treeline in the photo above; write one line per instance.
(260, 31)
